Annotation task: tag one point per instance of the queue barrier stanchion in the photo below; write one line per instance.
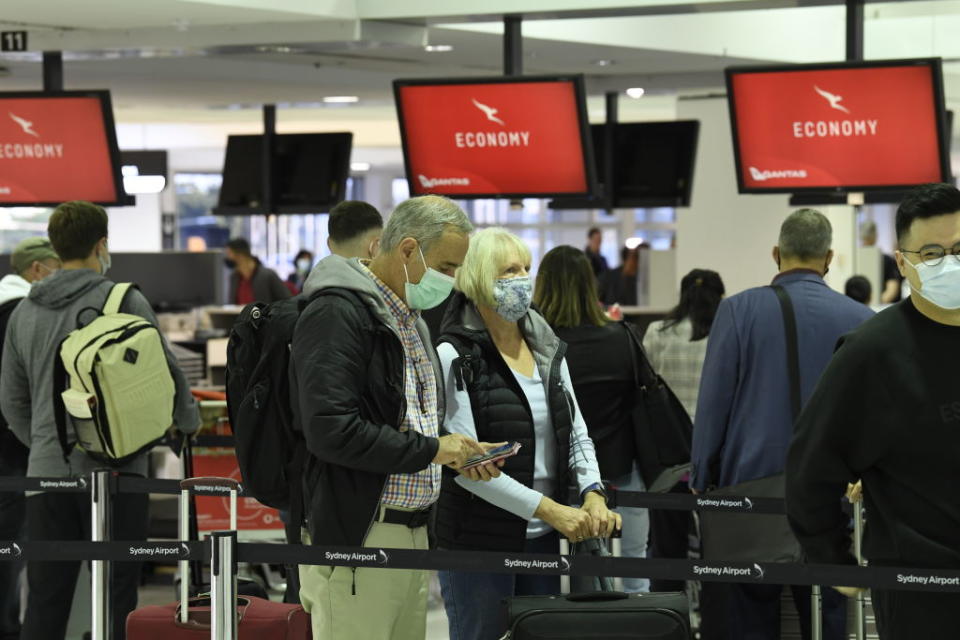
(861, 605)
(816, 613)
(184, 527)
(223, 585)
(101, 619)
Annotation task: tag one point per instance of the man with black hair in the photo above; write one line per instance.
(250, 280)
(619, 286)
(78, 233)
(354, 229)
(597, 261)
(744, 419)
(887, 412)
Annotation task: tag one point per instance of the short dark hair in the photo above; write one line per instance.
(592, 231)
(926, 201)
(75, 228)
(352, 218)
(239, 246)
(858, 288)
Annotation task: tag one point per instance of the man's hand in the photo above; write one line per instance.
(604, 521)
(455, 449)
(850, 592)
(574, 524)
(486, 471)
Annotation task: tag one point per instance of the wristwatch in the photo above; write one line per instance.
(598, 487)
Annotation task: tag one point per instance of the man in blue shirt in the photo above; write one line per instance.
(744, 420)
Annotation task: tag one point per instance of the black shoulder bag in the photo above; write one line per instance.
(662, 429)
(737, 537)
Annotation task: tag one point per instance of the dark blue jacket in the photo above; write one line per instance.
(743, 421)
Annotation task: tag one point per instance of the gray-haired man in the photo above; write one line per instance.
(744, 416)
(369, 400)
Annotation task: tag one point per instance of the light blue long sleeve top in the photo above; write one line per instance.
(506, 492)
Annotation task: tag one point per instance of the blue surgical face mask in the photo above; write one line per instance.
(940, 284)
(432, 290)
(513, 297)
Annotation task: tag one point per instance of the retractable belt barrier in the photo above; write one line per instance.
(474, 561)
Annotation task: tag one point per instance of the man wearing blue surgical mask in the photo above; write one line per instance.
(369, 399)
(887, 411)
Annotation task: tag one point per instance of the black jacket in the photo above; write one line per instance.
(347, 377)
(603, 379)
(267, 285)
(501, 413)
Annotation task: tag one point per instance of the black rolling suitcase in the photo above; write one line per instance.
(609, 615)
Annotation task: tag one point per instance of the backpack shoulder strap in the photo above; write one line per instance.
(115, 298)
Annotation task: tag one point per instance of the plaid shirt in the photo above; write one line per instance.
(678, 361)
(421, 489)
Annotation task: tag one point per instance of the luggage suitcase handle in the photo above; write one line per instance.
(201, 618)
(597, 596)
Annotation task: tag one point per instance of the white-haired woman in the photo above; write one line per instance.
(507, 381)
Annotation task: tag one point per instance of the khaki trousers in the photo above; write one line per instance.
(390, 604)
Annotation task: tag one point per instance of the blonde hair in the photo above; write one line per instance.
(488, 254)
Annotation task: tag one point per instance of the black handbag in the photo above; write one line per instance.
(739, 537)
(662, 429)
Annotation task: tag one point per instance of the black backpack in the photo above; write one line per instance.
(269, 447)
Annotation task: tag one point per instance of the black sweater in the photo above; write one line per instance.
(886, 410)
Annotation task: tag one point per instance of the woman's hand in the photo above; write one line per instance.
(573, 524)
(486, 471)
(604, 521)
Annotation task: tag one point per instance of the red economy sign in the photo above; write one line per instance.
(837, 127)
(54, 149)
(494, 138)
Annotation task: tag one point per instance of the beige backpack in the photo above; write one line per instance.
(119, 393)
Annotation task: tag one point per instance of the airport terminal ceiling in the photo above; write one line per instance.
(218, 61)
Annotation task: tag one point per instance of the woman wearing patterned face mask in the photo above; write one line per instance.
(507, 381)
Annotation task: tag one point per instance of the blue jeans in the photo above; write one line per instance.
(474, 601)
(636, 529)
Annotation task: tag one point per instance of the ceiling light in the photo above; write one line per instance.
(438, 48)
(635, 92)
(359, 167)
(341, 99)
(603, 62)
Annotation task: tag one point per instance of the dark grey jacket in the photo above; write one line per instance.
(37, 327)
(267, 285)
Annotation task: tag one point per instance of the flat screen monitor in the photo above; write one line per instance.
(309, 173)
(56, 147)
(838, 127)
(496, 137)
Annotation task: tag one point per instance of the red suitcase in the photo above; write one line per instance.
(257, 619)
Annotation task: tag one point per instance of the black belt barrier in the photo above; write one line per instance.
(494, 562)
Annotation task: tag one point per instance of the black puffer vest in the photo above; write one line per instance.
(501, 413)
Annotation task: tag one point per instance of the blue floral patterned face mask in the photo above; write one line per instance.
(513, 297)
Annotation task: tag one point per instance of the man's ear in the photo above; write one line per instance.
(776, 256)
(407, 248)
(826, 265)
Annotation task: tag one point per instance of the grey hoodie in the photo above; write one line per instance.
(36, 328)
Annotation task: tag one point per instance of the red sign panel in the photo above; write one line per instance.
(494, 138)
(56, 148)
(873, 126)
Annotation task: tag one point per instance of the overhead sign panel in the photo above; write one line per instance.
(847, 127)
(495, 137)
(58, 147)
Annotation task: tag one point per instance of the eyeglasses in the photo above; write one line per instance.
(933, 254)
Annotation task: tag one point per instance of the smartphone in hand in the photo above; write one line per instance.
(494, 455)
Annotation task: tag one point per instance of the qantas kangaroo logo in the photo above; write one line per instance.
(26, 125)
(833, 99)
(490, 112)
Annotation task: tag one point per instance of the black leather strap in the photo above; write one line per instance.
(793, 350)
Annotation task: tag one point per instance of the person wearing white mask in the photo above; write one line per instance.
(887, 411)
(368, 397)
(507, 381)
